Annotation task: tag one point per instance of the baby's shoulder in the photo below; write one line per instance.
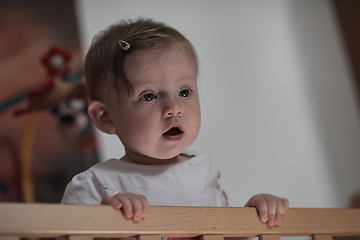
(193, 154)
(108, 166)
(199, 158)
(87, 187)
(200, 165)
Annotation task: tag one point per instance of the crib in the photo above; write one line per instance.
(85, 222)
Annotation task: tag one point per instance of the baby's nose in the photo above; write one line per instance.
(172, 108)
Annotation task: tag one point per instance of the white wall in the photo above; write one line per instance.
(279, 113)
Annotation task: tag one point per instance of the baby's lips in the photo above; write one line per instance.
(173, 132)
(175, 125)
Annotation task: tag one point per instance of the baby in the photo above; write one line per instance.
(141, 78)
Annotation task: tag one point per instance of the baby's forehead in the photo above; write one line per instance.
(145, 63)
(152, 55)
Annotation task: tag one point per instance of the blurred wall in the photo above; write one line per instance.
(279, 111)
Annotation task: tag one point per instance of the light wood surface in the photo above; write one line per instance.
(51, 220)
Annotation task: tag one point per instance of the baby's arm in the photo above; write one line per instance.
(133, 206)
(270, 208)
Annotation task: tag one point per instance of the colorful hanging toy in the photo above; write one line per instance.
(67, 101)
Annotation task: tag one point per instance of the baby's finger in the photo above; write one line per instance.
(271, 206)
(136, 207)
(112, 202)
(282, 207)
(126, 205)
(279, 211)
(286, 205)
(262, 208)
(145, 206)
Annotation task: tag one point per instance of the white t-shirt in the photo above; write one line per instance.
(193, 182)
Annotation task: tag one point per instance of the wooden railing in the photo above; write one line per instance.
(80, 222)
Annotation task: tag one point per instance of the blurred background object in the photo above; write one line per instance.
(42, 152)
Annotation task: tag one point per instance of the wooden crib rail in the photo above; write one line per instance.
(82, 222)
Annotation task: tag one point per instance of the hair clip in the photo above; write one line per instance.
(124, 45)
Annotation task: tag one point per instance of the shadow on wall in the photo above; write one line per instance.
(340, 135)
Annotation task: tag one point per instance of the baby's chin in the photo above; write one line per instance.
(174, 157)
(153, 159)
(166, 157)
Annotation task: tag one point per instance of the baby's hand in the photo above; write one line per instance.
(270, 208)
(132, 205)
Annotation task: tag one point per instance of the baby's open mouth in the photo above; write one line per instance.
(173, 132)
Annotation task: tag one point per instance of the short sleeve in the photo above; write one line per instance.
(84, 188)
(222, 199)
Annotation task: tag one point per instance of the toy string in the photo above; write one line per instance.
(16, 98)
(26, 163)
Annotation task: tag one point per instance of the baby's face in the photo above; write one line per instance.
(162, 117)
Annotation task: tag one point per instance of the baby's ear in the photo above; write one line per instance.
(99, 114)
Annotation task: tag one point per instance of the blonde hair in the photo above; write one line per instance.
(104, 62)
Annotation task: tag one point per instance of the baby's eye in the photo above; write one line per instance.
(148, 97)
(184, 93)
